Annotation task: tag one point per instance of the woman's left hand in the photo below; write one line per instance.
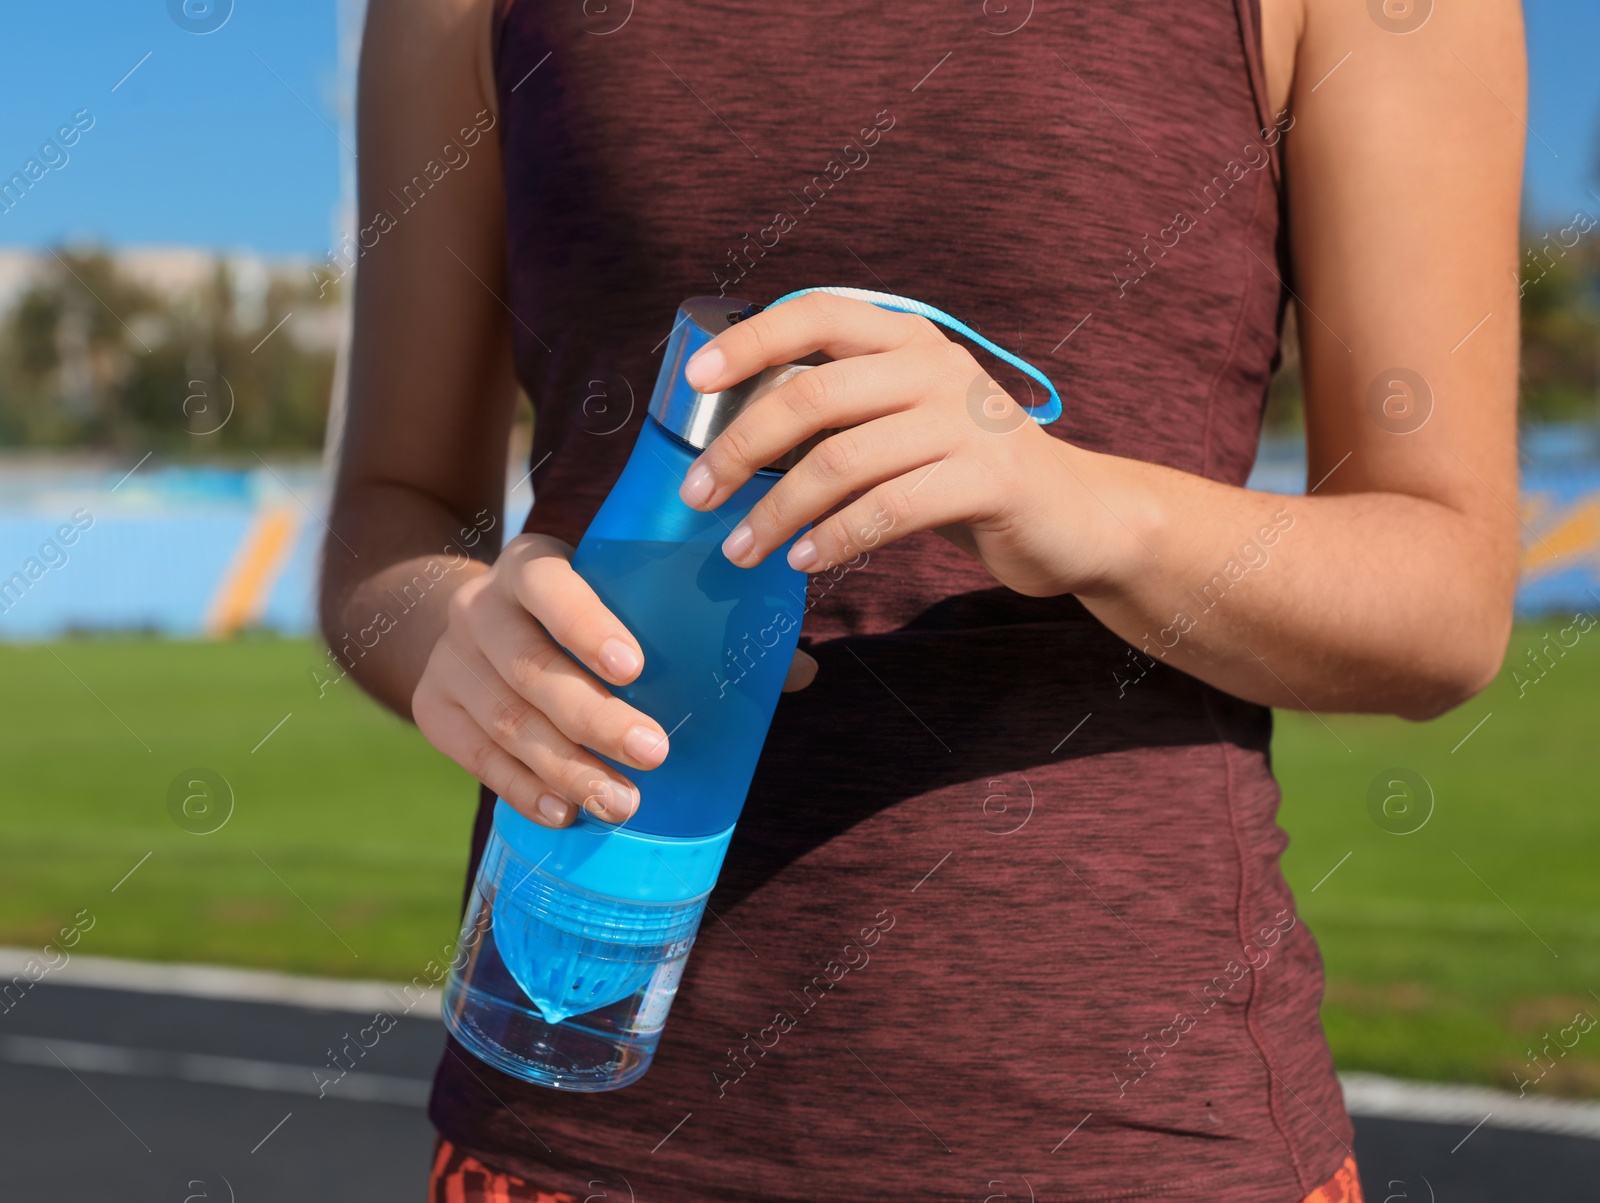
(922, 429)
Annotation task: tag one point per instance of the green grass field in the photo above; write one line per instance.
(364, 824)
(1454, 950)
(1451, 951)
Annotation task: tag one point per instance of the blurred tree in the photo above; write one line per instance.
(89, 358)
(1561, 323)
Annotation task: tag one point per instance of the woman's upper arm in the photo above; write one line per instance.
(1403, 170)
(431, 388)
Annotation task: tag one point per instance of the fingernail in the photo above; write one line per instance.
(610, 801)
(619, 659)
(697, 486)
(802, 555)
(624, 801)
(553, 810)
(645, 744)
(737, 545)
(704, 366)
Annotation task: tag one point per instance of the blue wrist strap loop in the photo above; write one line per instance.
(1043, 414)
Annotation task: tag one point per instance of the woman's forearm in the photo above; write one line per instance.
(1377, 602)
(395, 558)
(1388, 589)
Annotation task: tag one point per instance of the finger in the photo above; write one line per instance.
(528, 734)
(451, 729)
(543, 582)
(840, 327)
(582, 709)
(846, 463)
(891, 511)
(802, 671)
(842, 393)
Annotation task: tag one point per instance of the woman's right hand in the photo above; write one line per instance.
(501, 697)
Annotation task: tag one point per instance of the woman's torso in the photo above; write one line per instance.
(1011, 885)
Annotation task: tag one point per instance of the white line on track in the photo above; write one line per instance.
(1365, 1095)
(1379, 1097)
(240, 1072)
(233, 985)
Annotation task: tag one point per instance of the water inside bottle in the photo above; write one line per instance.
(560, 985)
(717, 643)
(572, 950)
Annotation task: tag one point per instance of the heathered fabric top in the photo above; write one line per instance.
(1003, 917)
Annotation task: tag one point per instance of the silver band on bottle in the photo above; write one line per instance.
(698, 418)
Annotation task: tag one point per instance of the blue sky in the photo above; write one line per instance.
(223, 140)
(1563, 106)
(201, 145)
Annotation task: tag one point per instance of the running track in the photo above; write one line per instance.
(109, 1092)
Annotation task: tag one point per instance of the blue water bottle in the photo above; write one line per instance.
(575, 939)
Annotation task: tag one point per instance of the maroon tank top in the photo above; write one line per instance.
(1003, 917)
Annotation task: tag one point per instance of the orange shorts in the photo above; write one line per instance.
(460, 1178)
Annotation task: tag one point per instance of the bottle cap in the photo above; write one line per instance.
(697, 418)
